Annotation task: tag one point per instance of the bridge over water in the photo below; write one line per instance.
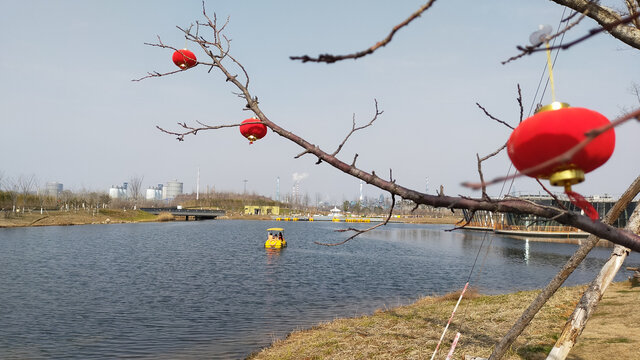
(197, 214)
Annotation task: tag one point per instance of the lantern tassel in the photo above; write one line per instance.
(579, 201)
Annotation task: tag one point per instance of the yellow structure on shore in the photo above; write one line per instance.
(261, 210)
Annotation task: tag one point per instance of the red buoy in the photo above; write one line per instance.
(253, 131)
(184, 59)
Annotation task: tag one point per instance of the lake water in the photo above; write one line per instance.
(209, 289)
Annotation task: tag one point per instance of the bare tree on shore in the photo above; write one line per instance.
(12, 188)
(26, 184)
(135, 187)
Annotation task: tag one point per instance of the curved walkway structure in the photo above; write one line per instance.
(197, 214)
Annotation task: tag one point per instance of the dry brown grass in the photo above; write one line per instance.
(411, 332)
(80, 217)
(165, 216)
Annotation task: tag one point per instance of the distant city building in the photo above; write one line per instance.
(172, 190)
(54, 189)
(154, 193)
(119, 192)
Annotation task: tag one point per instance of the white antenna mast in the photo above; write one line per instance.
(198, 185)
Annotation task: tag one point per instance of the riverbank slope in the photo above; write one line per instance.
(80, 217)
(412, 331)
(119, 216)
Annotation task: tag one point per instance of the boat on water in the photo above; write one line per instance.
(275, 239)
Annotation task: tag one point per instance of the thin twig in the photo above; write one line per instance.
(551, 194)
(328, 58)
(494, 118)
(466, 222)
(194, 131)
(355, 128)
(480, 161)
(520, 104)
(360, 232)
(528, 50)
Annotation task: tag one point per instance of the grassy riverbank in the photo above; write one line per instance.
(118, 216)
(80, 217)
(412, 332)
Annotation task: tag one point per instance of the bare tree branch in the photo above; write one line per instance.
(358, 231)
(194, 131)
(354, 128)
(551, 194)
(480, 161)
(520, 104)
(633, 6)
(328, 58)
(606, 18)
(493, 117)
(464, 224)
(528, 50)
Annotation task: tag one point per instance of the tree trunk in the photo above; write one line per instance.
(575, 260)
(629, 34)
(591, 297)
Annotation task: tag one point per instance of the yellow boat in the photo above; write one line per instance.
(275, 239)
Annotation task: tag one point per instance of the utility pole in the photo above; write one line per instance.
(245, 185)
(198, 186)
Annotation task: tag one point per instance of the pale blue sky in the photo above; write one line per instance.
(70, 112)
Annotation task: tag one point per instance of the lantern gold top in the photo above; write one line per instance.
(556, 105)
(567, 177)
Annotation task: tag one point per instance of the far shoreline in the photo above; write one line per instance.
(123, 216)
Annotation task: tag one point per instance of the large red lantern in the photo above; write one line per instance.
(552, 131)
(184, 59)
(253, 131)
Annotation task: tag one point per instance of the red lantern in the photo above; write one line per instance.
(254, 131)
(552, 131)
(184, 59)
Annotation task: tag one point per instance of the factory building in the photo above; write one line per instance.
(53, 189)
(154, 193)
(119, 192)
(171, 190)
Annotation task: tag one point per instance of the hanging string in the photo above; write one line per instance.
(550, 66)
(535, 96)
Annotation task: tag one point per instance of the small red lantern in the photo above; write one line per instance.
(552, 131)
(253, 131)
(184, 59)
